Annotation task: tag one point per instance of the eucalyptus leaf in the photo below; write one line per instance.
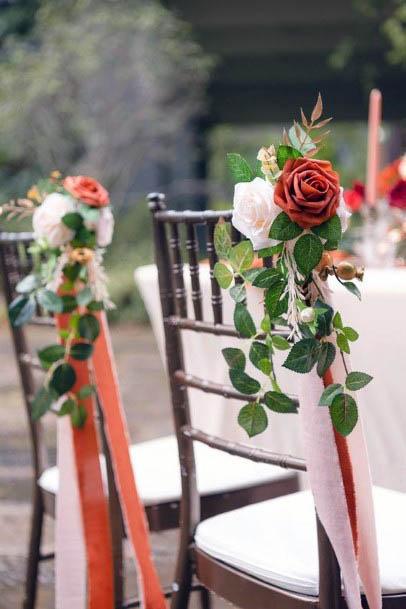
(357, 380)
(42, 402)
(279, 402)
(304, 142)
(28, 284)
(284, 229)
(223, 275)
(238, 292)
(252, 418)
(251, 274)
(243, 382)
(242, 256)
(344, 413)
(234, 357)
(303, 355)
(50, 301)
(21, 310)
(243, 321)
(84, 297)
(307, 252)
(222, 239)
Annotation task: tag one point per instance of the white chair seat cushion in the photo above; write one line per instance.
(156, 466)
(275, 541)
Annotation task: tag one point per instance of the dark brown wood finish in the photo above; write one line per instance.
(235, 586)
(15, 262)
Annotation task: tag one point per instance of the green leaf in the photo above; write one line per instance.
(81, 351)
(342, 343)
(344, 413)
(242, 256)
(28, 284)
(72, 220)
(42, 402)
(84, 297)
(223, 275)
(222, 239)
(50, 355)
(95, 305)
(308, 251)
(330, 230)
(286, 152)
(78, 416)
(324, 317)
(86, 391)
(272, 298)
(357, 380)
(330, 393)
(351, 287)
(259, 352)
(253, 419)
(284, 229)
(350, 333)
(266, 252)
(243, 382)
(251, 274)
(337, 321)
(66, 408)
(326, 358)
(234, 357)
(243, 321)
(63, 378)
(69, 303)
(266, 324)
(88, 327)
(240, 169)
(72, 271)
(281, 307)
(90, 214)
(279, 402)
(331, 245)
(50, 301)
(267, 278)
(84, 238)
(21, 310)
(303, 355)
(279, 342)
(238, 292)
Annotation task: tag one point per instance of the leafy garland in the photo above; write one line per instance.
(295, 295)
(66, 279)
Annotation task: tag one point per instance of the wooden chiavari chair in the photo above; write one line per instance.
(274, 554)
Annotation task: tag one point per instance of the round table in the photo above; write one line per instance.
(380, 351)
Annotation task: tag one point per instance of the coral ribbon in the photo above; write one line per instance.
(93, 501)
(117, 436)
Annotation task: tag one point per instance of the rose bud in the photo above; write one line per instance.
(307, 316)
(346, 270)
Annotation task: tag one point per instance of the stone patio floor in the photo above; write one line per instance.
(146, 400)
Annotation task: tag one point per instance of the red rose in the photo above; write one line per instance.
(354, 197)
(308, 191)
(87, 189)
(397, 195)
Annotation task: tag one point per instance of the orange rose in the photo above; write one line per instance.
(308, 191)
(87, 189)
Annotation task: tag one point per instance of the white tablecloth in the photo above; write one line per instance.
(380, 320)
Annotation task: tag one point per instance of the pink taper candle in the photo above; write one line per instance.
(374, 125)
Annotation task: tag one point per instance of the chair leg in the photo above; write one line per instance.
(182, 585)
(205, 599)
(34, 547)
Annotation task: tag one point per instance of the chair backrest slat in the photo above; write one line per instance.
(216, 298)
(192, 248)
(177, 271)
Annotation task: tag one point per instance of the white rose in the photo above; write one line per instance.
(47, 219)
(105, 227)
(342, 211)
(254, 211)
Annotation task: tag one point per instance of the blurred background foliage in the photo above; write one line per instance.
(112, 87)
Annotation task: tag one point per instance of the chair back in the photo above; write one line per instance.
(16, 261)
(176, 243)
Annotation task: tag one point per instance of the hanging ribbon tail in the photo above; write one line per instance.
(70, 555)
(368, 562)
(93, 502)
(118, 438)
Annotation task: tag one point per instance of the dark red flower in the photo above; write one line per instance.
(397, 195)
(354, 197)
